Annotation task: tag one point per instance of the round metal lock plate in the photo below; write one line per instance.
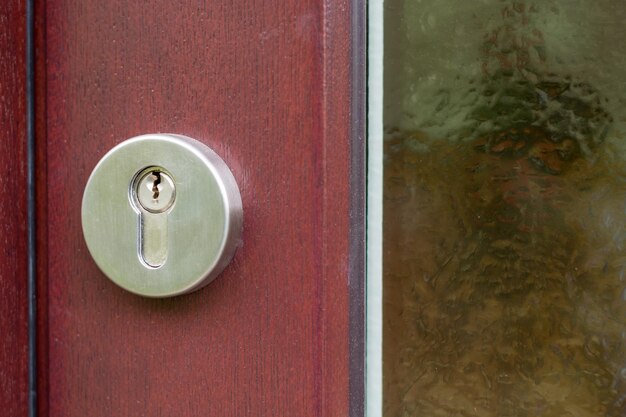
(161, 215)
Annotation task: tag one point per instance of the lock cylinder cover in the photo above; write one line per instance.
(162, 215)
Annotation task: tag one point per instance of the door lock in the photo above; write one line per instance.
(161, 215)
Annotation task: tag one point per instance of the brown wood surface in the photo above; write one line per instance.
(267, 85)
(13, 260)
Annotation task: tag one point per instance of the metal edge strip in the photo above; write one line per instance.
(374, 216)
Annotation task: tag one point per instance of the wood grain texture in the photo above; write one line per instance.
(266, 85)
(41, 179)
(13, 275)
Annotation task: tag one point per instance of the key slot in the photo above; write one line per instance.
(152, 194)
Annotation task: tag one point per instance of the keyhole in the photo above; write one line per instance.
(156, 180)
(154, 193)
(154, 190)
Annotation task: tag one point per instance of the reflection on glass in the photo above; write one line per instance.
(505, 208)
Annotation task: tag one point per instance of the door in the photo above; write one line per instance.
(268, 86)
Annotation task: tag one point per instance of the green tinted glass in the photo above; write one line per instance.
(504, 208)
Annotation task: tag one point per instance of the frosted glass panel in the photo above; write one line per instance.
(504, 218)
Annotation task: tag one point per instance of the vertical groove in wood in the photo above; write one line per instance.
(268, 88)
(31, 202)
(13, 259)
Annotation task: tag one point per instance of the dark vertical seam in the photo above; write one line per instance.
(30, 187)
(358, 181)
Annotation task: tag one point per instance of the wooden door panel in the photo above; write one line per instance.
(266, 85)
(13, 234)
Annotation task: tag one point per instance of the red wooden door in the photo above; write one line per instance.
(13, 238)
(269, 86)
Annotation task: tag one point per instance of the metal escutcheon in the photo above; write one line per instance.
(162, 215)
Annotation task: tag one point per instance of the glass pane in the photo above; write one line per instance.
(504, 220)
